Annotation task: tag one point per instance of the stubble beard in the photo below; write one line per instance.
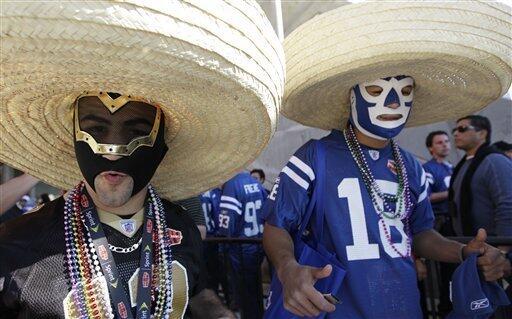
(114, 195)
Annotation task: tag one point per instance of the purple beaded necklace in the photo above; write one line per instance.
(402, 199)
(83, 268)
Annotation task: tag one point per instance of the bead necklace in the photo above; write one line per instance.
(82, 265)
(402, 199)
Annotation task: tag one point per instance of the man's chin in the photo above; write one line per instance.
(114, 199)
(113, 195)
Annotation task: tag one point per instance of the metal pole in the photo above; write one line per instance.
(279, 20)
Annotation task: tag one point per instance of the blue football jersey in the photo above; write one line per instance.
(210, 201)
(379, 283)
(240, 207)
(438, 177)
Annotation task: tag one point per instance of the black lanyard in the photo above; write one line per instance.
(120, 301)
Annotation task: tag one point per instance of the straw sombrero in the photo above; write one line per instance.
(217, 68)
(459, 53)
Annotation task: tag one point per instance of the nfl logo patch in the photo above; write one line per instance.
(175, 236)
(128, 226)
(392, 166)
(374, 154)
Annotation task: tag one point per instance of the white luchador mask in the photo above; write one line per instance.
(380, 108)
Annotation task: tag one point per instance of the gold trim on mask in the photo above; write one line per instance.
(114, 105)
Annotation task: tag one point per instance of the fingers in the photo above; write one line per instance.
(492, 264)
(302, 306)
(481, 236)
(296, 308)
(493, 274)
(473, 248)
(477, 244)
(318, 300)
(324, 272)
(490, 256)
(301, 297)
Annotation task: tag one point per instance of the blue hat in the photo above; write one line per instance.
(473, 297)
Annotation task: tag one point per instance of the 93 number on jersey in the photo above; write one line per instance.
(251, 218)
(251, 227)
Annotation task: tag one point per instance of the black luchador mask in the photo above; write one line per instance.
(131, 127)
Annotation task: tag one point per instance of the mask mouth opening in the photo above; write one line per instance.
(113, 177)
(389, 117)
(113, 174)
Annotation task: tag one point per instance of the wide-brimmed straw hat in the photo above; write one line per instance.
(458, 52)
(216, 67)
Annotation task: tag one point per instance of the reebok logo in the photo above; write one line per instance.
(479, 304)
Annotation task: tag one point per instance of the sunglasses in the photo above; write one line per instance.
(462, 129)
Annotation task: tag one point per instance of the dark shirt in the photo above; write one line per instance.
(457, 186)
(32, 270)
(491, 195)
(11, 213)
(193, 207)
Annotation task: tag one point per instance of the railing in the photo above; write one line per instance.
(237, 274)
(232, 278)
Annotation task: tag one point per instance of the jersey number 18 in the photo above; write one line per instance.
(362, 249)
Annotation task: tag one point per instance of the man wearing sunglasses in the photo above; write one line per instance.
(481, 189)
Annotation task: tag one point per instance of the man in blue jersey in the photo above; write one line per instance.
(240, 217)
(375, 212)
(210, 202)
(439, 172)
(349, 210)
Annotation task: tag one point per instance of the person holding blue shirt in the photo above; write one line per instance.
(354, 199)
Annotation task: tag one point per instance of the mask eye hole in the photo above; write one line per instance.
(374, 90)
(406, 91)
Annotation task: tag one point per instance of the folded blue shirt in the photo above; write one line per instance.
(472, 296)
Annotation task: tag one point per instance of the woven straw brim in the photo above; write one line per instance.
(216, 67)
(459, 53)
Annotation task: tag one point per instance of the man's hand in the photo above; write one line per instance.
(300, 297)
(491, 261)
(476, 245)
(421, 269)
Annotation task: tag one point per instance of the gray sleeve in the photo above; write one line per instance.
(194, 209)
(498, 170)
